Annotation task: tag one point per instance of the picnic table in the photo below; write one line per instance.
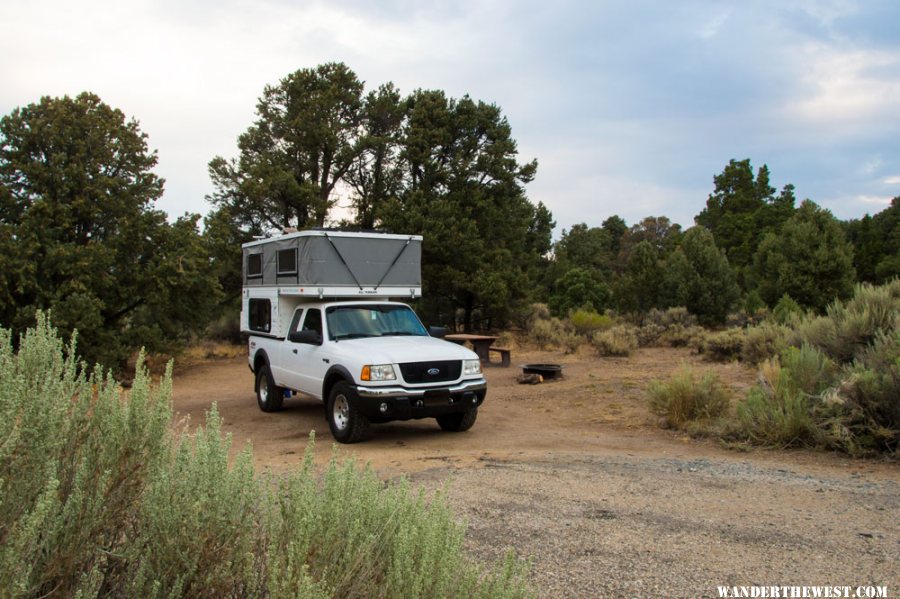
(481, 344)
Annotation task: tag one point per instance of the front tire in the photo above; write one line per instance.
(269, 396)
(346, 422)
(459, 422)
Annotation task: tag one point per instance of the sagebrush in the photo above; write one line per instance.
(830, 381)
(99, 498)
(685, 398)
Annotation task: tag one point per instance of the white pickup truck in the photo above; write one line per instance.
(368, 359)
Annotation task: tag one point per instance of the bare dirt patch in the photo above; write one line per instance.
(576, 475)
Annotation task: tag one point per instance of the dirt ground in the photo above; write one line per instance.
(577, 477)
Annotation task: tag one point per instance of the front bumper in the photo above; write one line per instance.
(398, 403)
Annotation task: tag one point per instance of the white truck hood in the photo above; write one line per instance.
(403, 349)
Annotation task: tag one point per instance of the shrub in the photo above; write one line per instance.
(569, 341)
(785, 408)
(778, 419)
(848, 328)
(649, 334)
(808, 369)
(75, 459)
(98, 498)
(588, 322)
(683, 399)
(723, 346)
(866, 403)
(620, 341)
(538, 312)
(683, 336)
(786, 310)
(673, 326)
(554, 333)
(671, 317)
(507, 339)
(764, 342)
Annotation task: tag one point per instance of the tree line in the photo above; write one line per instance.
(81, 236)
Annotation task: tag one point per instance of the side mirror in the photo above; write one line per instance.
(439, 332)
(307, 337)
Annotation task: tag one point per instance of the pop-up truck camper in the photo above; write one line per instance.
(320, 312)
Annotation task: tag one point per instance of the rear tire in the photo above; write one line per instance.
(269, 396)
(459, 422)
(346, 422)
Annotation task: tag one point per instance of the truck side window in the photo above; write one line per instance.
(313, 321)
(295, 321)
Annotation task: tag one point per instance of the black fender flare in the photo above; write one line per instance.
(260, 358)
(332, 376)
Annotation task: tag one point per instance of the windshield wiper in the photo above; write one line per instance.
(351, 336)
(397, 333)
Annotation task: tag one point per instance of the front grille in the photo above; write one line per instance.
(417, 372)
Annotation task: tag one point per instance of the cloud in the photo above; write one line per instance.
(893, 180)
(630, 107)
(882, 201)
(845, 86)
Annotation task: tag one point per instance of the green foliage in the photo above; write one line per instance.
(777, 420)
(848, 328)
(75, 460)
(742, 209)
(587, 322)
(786, 310)
(678, 316)
(722, 346)
(98, 498)
(683, 399)
(465, 194)
(876, 244)
(698, 276)
(578, 289)
(808, 259)
(305, 139)
(639, 289)
(661, 233)
(79, 233)
(781, 410)
(753, 303)
(588, 248)
(837, 383)
(200, 519)
(673, 326)
(548, 331)
(764, 342)
(867, 401)
(618, 341)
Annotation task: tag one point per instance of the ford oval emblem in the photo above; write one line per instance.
(434, 371)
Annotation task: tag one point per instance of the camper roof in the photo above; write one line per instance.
(336, 264)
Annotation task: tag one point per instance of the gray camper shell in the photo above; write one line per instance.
(332, 264)
(280, 273)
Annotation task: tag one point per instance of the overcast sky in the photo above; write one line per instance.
(629, 107)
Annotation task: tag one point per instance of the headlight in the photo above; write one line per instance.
(471, 367)
(378, 372)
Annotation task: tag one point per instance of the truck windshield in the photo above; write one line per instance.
(351, 322)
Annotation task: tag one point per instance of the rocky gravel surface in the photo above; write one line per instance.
(637, 527)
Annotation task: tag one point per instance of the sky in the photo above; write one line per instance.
(630, 107)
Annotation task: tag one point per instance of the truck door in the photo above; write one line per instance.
(304, 363)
